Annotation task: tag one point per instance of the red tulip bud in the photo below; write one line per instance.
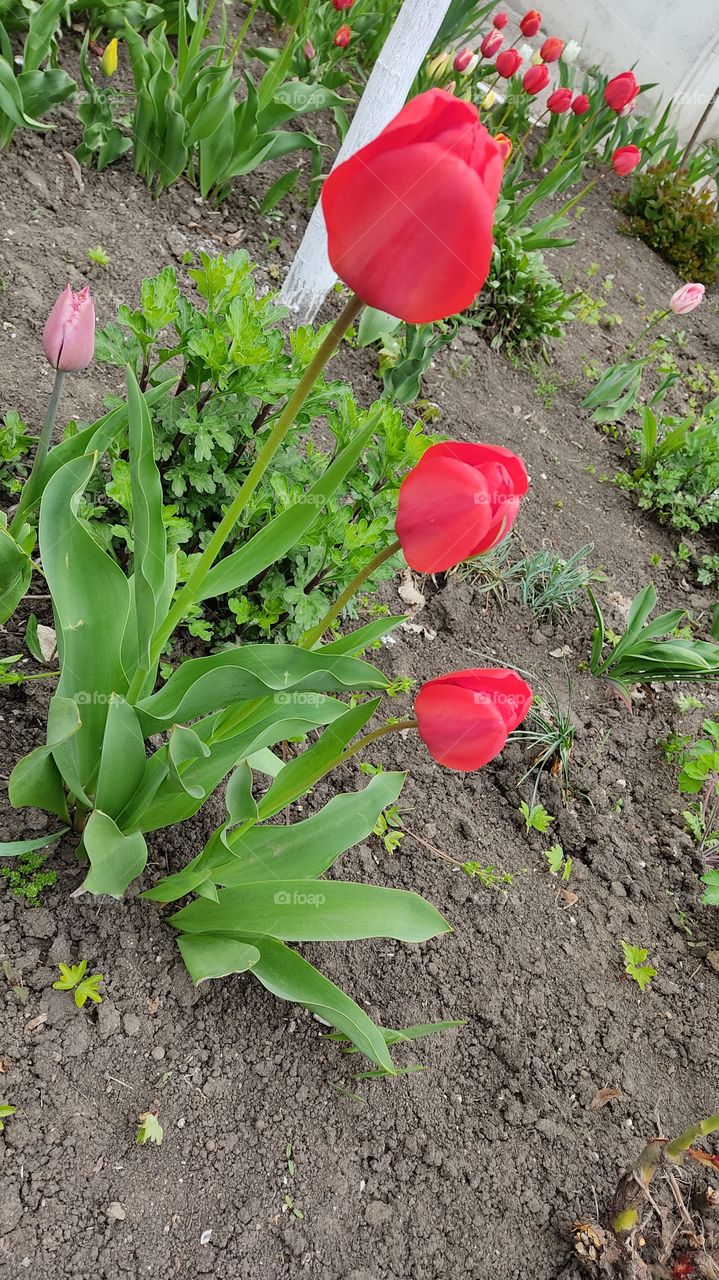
(531, 22)
(491, 44)
(342, 4)
(625, 159)
(68, 339)
(581, 104)
(552, 49)
(559, 101)
(500, 20)
(459, 500)
(536, 78)
(508, 63)
(465, 717)
(343, 35)
(409, 217)
(620, 91)
(465, 60)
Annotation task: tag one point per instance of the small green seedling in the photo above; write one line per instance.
(488, 877)
(558, 864)
(72, 978)
(149, 1129)
(98, 256)
(700, 777)
(634, 965)
(536, 817)
(26, 879)
(5, 1113)
(389, 824)
(711, 896)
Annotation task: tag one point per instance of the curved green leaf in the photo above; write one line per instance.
(36, 782)
(16, 848)
(148, 528)
(115, 859)
(208, 957)
(122, 763)
(202, 685)
(288, 976)
(305, 850)
(314, 911)
(91, 599)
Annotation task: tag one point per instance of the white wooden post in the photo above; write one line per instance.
(310, 276)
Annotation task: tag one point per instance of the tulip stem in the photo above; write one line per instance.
(647, 329)
(311, 637)
(30, 492)
(580, 196)
(190, 592)
(394, 726)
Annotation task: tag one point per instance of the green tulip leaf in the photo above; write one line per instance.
(115, 859)
(208, 957)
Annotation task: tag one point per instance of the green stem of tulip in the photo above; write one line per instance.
(312, 637)
(32, 485)
(237, 45)
(532, 127)
(648, 328)
(190, 592)
(584, 192)
(396, 727)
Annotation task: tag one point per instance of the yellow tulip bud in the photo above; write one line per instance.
(537, 58)
(489, 100)
(438, 66)
(109, 59)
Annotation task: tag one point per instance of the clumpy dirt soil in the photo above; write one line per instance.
(275, 1161)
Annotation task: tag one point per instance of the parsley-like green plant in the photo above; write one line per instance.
(558, 864)
(28, 877)
(72, 978)
(5, 1112)
(635, 965)
(149, 1129)
(536, 817)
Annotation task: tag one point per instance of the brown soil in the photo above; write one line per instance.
(478, 1164)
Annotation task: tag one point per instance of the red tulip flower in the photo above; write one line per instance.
(409, 217)
(536, 78)
(500, 21)
(531, 22)
(581, 104)
(508, 63)
(465, 60)
(491, 44)
(339, 5)
(559, 101)
(465, 718)
(552, 49)
(68, 338)
(343, 35)
(459, 500)
(621, 91)
(625, 159)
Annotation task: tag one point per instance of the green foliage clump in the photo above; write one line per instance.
(682, 486)
(15, 444)
(678, 222)
(26, 877)
(236, 370)
(521, 304)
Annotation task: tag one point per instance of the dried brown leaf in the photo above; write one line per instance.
(603, 1096)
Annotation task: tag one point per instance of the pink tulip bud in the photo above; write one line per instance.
(309, 50)
(491, 44)
(68, 338)
(686, 299)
